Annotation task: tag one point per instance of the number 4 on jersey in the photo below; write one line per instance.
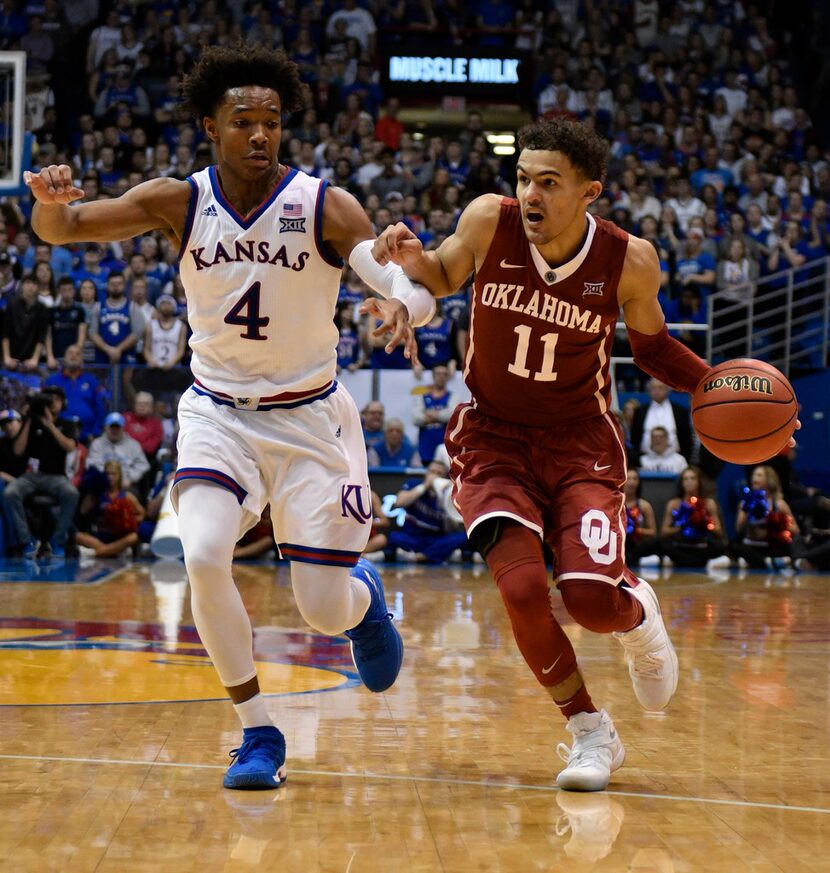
(246, 313)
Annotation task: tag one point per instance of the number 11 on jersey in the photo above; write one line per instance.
(519, 368)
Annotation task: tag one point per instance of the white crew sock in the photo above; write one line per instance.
(252, 712)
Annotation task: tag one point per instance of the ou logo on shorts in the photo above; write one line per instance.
(596, 533)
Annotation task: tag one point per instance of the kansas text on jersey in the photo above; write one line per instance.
(261, 289)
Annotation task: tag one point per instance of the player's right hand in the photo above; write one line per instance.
(53, 184)
(398, 245)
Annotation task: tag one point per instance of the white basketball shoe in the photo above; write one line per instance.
(596, 752)
(652, 661)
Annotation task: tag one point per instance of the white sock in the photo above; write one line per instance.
(252, 712)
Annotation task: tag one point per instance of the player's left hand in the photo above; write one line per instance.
(394, 318)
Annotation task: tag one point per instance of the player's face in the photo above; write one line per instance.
(552, 194)
(247, 130)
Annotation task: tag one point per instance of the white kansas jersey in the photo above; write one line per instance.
(261, 290)
(164, 341)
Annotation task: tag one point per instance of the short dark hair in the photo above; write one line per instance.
(221, 68)
(583, 147)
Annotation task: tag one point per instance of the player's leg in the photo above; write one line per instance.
(321, 509)
(504, 515)
(15, 495)
(210, 520)
(514, 554)
(587, 533)
(337, 600)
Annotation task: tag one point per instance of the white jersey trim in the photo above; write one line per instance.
(503, 513)
(598, 577)
(567, 269)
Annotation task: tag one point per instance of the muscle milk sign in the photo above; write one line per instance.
(462, 71)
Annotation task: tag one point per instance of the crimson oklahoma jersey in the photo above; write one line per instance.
(540, 337)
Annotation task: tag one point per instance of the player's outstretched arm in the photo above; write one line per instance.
(159, 204)
(448, 267)
(654, 350)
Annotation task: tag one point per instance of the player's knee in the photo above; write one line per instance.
(207, 562)
(524, 588)
(319, 612)
(323, 597)
(595, 605)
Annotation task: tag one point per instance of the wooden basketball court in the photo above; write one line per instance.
(114, 734)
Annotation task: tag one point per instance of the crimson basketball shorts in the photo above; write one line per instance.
(563, 482)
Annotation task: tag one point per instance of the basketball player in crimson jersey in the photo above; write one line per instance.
(536, 454)
(261, 248)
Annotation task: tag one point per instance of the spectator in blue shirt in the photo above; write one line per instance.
(690, 308)
(435, 340)
(372, 417)
(696, 268)
(67, 324)
(395, 450)
(432, 411)
(90, 268)
(427, 529)
(86, 399)
(711, 173)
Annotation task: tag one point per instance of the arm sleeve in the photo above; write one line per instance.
(418, 410)
(668, 360)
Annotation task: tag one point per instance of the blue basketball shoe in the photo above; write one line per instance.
(259, 763)
(377, 647)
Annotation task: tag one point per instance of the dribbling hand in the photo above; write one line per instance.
(398, 245)
(53, 184)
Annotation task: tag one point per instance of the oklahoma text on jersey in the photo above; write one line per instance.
(545, 332)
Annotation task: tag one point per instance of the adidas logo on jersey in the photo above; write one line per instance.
(210, 210)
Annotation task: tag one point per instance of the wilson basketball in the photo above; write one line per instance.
(744, 411)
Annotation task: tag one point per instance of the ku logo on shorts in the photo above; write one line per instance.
(351, 503)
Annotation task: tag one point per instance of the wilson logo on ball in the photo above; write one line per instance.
(740, 382)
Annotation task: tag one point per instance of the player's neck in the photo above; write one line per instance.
(244, 194)
(567, 244)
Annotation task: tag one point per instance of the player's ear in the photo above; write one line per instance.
(592, 191)
(210, 129)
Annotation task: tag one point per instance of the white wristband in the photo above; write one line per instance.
(391, 281)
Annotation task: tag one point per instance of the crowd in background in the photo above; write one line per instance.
(717, 157)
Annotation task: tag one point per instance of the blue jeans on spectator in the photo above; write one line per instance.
(54, 485)
(436, 548)
(8, 537)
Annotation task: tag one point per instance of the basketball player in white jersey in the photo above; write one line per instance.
(261, 248)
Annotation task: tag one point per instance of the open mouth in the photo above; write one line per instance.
(534, 217)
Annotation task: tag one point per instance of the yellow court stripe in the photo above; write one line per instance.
(25, 633)
(92, 676)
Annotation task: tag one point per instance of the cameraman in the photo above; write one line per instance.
(46, 446)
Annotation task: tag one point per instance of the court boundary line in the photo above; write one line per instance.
(448, 780)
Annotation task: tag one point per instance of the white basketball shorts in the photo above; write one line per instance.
(307, 459)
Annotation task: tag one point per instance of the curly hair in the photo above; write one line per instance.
(585, 149)
(220, 68)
